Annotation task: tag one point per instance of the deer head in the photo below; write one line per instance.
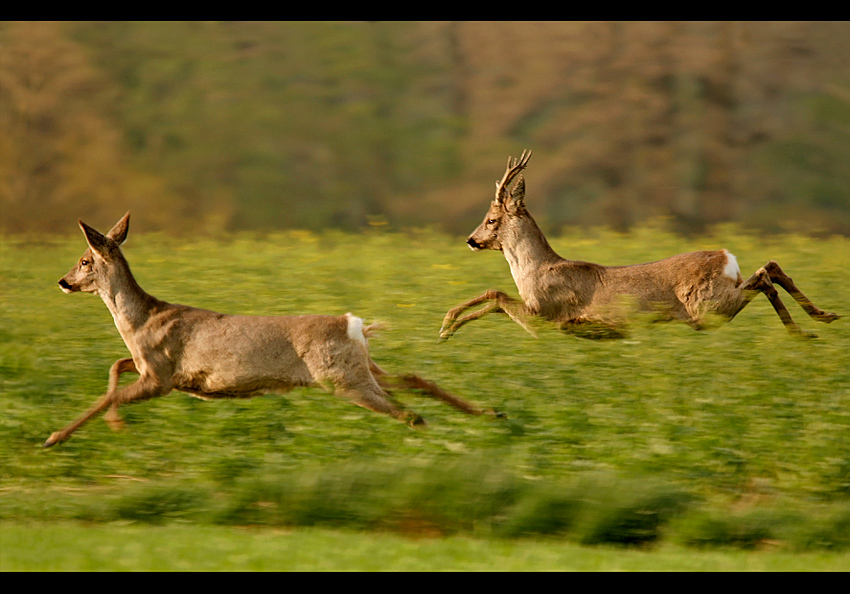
(506, 206)
(91, 269)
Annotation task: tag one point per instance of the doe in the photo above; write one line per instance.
(594, 301)
(212, 355)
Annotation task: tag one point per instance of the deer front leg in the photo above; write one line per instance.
(112, 417)
(143, 389)
(498, 302)
(454, 312)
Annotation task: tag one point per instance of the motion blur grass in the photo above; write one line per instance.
(113, 547)
(738, 436)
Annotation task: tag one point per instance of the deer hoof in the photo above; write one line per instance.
(54, 438)
(415, 421)
(115, 423)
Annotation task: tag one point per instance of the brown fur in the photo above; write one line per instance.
(212, 355)
(595, 301)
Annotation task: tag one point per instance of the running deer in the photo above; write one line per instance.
(212, 355)
(594, 301)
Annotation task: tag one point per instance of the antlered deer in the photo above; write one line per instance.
(213, 355)
(593, 301)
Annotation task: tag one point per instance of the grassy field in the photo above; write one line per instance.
(734, 437)
(74, 547)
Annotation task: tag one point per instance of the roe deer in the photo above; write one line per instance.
(590, 300)
(212, 355)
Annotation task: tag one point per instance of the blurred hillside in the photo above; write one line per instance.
(210, 126)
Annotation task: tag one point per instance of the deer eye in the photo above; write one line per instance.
(84, 262)
(491, 221)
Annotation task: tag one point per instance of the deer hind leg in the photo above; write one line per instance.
(427, 387)
(496, 302)
(760, 282)
(112, 417)
(143, 389)
(370, 396)
(778, 277)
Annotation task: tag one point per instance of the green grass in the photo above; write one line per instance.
(74, 547)
(738, 436)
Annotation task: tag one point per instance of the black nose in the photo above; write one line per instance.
(473, 243)
(63, 283)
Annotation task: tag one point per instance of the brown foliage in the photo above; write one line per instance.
(263, 125)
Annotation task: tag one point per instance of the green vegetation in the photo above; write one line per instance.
(73, 547)
(734, 437)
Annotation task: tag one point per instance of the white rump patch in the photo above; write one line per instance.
(355, 329)
(731, 270)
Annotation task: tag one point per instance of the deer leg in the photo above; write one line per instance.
(414, 382)
(498, 302)
(778, 277)
(372, 397)
(454, 312)
(420, 384)
(760, 283)
(112, 417)
(447, 330)
(143, 389)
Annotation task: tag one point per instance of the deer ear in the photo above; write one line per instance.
(98, 242)
(518, 193)
(118, 233)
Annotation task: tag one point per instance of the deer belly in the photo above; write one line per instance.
(235, 378)
(212, 386)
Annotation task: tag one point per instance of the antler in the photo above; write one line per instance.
(513, 168)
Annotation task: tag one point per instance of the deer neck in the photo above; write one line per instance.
(128, 303)
(527, 250)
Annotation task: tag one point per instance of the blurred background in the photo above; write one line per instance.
(225, 126)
